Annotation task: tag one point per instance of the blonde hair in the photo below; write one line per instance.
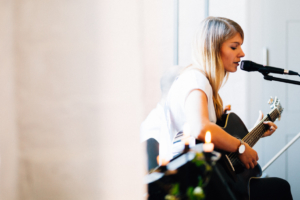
(206, 51)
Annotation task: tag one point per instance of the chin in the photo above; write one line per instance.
(232, 70)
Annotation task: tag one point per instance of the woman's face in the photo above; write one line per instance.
(231, 53)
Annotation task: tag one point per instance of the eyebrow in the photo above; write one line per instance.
(236, 43)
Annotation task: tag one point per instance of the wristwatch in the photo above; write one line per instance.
(242, 147)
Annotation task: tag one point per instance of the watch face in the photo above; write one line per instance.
(242, 149)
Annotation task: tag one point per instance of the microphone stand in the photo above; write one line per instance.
(271, 78)
(265, 72)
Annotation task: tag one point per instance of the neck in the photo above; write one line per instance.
(252, 137)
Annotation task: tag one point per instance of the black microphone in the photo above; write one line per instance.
(250, 66)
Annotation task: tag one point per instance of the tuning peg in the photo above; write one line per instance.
(271, 100)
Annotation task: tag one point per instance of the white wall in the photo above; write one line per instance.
(157, 39)
(8, 129)
(191, 13)
(235, 90)
(71, 100)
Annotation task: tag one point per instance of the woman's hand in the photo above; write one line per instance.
(249, 158)
(227, 108)
(271, 130)
(272, 126)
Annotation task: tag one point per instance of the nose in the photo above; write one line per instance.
(241, 54)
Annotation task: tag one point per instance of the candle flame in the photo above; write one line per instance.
(208, 137)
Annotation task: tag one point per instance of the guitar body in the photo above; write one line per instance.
(232, 170)
(241, 177)
(236, 175)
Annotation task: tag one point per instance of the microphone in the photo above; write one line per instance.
(250, 66)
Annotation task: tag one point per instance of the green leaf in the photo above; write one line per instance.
(175, 189)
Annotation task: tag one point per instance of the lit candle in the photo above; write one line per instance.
(208, 146)
(186, 134)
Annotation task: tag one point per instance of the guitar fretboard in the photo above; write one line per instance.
(252, 137)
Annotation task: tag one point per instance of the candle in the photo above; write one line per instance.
(208, 146)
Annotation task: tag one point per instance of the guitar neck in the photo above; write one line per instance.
(252, 137)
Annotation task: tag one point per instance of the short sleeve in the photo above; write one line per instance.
(191, 80)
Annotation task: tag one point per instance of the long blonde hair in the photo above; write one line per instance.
(206, 51)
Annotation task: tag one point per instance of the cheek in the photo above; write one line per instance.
(225, 59)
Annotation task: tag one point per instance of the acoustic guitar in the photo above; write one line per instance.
(236, 174)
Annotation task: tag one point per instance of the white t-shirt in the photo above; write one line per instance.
(191, 79)
(151, 126)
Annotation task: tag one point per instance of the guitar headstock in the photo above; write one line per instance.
(275, 103)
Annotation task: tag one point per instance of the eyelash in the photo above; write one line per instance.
(233, 48)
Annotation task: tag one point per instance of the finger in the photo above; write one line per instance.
(268, 133)
(254, 162)
(271, 124)
(273, 128)
(228, 107)
(268, 123)
(257, 157)
(248, 166)
(252, 165)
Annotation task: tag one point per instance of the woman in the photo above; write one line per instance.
(194, 98)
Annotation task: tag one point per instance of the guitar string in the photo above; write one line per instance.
(258, 130)
(261, 131)
(234, 155)
(261, 127)
(255, 132)
(272, 117)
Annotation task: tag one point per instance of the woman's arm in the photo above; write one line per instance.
(196, 110)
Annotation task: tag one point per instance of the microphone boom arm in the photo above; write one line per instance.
(271, 78)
